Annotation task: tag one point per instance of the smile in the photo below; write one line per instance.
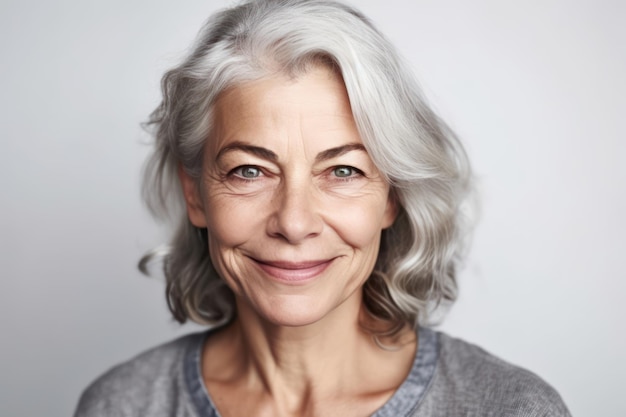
(293, 272)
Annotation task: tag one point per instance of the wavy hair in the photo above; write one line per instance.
(414, 149)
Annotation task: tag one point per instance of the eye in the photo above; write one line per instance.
(345, 171)
(247, 171)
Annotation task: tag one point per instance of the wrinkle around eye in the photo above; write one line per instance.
(235, 183)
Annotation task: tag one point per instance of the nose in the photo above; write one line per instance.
(295, 217)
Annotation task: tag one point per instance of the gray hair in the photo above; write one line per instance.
(414, 149)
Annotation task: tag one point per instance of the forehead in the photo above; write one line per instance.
(314, 104)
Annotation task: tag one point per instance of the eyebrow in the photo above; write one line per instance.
(269, 155)
(338, 151)
(255, 150)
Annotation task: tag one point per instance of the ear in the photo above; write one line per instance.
(391, 210)
(193, 199)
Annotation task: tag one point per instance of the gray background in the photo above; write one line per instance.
(535, 88)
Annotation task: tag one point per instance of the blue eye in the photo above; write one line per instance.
(344, 171)
(248, 171)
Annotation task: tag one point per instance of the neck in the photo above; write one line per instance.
(324, 352)
(299, 367)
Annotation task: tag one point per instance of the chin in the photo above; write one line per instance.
(292, 311)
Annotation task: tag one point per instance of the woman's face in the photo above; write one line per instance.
(292, 202)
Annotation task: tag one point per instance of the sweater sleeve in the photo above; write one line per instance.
(471, 382)
(151, 384)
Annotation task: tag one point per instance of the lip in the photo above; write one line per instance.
(293, 272)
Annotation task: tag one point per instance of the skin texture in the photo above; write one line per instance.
(294, 208)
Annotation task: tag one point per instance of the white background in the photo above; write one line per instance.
(535, 88)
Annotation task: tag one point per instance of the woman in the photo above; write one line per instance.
(322, 224)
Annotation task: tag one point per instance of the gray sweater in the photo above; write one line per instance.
(449, 378)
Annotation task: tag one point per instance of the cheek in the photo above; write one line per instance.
(232, 222)
(359, 223)
(230, 225)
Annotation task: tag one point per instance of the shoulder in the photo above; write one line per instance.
(471, 379)
(153, 380)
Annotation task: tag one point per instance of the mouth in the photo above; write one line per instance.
(293, 272)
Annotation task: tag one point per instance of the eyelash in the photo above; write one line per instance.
(236, 173)
(354, 175)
